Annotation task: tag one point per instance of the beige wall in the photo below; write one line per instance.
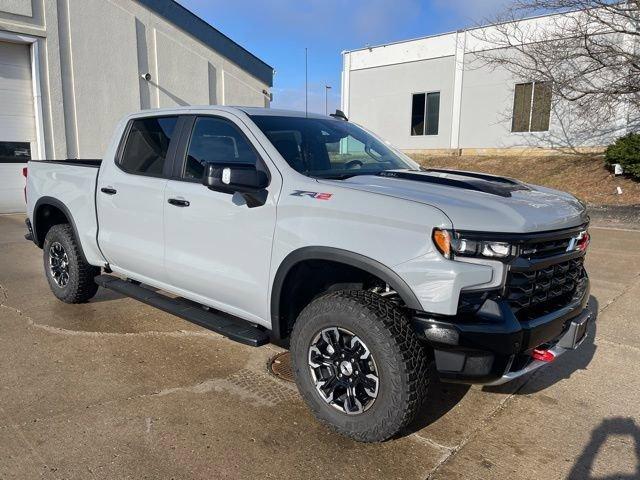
(476, 99)
(16, 7)
(380, 99)
(487, 111)
(92, 55)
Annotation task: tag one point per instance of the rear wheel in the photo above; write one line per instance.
(359, 365)
(70, 277)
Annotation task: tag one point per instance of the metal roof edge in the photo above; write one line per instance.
(468, 29)
(195, 26)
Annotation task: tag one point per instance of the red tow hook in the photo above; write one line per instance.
(543, 355)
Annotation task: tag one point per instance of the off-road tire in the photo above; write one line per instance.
(81, 285)
(401, 360)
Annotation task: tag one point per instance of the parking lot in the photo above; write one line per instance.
(116, 389)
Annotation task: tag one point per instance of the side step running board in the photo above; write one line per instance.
(222, 323)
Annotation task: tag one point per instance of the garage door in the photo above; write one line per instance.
(17, 123)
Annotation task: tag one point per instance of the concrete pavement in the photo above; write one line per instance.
(116, 389)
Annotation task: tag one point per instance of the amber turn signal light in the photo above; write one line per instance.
(442, 241)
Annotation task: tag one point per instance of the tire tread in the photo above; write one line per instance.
(82, 286)
(390, 322)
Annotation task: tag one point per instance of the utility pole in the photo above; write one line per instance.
(326, 98)
(306, 83)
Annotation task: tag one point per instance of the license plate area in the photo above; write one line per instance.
(576, 332)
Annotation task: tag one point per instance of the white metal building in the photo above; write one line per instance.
(70, 69)
(435, 95)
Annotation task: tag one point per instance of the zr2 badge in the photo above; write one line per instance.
(316, 195)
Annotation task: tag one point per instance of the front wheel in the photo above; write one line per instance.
(70, 277)
(358, 364)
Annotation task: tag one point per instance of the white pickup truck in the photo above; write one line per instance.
(309, 231)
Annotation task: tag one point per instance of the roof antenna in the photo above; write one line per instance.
(306, 84)
(339, 114)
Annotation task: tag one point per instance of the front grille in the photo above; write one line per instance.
(545, 249)
(534, 293)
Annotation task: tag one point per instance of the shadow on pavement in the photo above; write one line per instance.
(617, 426)
(441, 398)
(105, 295)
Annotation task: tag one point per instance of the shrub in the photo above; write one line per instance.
(626, 152)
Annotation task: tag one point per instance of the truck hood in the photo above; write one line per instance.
(475, 201)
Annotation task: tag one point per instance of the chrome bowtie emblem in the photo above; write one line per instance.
(578, 242)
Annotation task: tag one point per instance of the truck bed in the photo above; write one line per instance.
(72, 186)
(78, 162)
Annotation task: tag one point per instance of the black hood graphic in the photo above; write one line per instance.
(479, 182)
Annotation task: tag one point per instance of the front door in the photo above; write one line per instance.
(130, 199)
(217, 249)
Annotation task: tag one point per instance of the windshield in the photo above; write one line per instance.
(327, 148)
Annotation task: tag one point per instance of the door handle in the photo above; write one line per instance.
(178, 202)
(108, 190)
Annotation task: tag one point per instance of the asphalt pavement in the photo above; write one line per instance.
(116, 389)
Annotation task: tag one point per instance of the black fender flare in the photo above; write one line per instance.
(38, 239)
(339, 256)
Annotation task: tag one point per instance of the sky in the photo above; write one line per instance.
(277, 31)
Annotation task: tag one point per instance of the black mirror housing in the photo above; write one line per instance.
(234, 177)
(241, 178)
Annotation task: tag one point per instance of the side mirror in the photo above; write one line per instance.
(237, 177)
(234, 177)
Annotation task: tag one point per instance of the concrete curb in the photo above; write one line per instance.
(615, 216)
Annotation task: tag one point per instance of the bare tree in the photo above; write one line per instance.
(589, 52)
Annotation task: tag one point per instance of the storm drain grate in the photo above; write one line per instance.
(280, 366)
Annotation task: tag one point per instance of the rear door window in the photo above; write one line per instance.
(145, 151)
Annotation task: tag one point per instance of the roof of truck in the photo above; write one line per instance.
(231, 109)
(276, 112)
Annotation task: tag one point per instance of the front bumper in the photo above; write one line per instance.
(494, 347)
(575, 335)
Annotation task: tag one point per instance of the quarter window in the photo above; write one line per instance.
(145, 151)
(216, 140)
(531, 107)
(425, 113)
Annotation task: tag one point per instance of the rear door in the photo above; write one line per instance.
(218, 250)
(130, 198)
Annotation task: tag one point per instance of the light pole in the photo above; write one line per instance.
(326, 98)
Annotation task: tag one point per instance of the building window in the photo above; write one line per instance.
(425, 113)
(531, 107)
(15, 152)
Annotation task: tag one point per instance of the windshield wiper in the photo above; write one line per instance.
(355, 173)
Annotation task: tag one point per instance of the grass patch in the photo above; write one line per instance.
(585, 177)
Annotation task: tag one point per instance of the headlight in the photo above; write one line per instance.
(451, 244)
